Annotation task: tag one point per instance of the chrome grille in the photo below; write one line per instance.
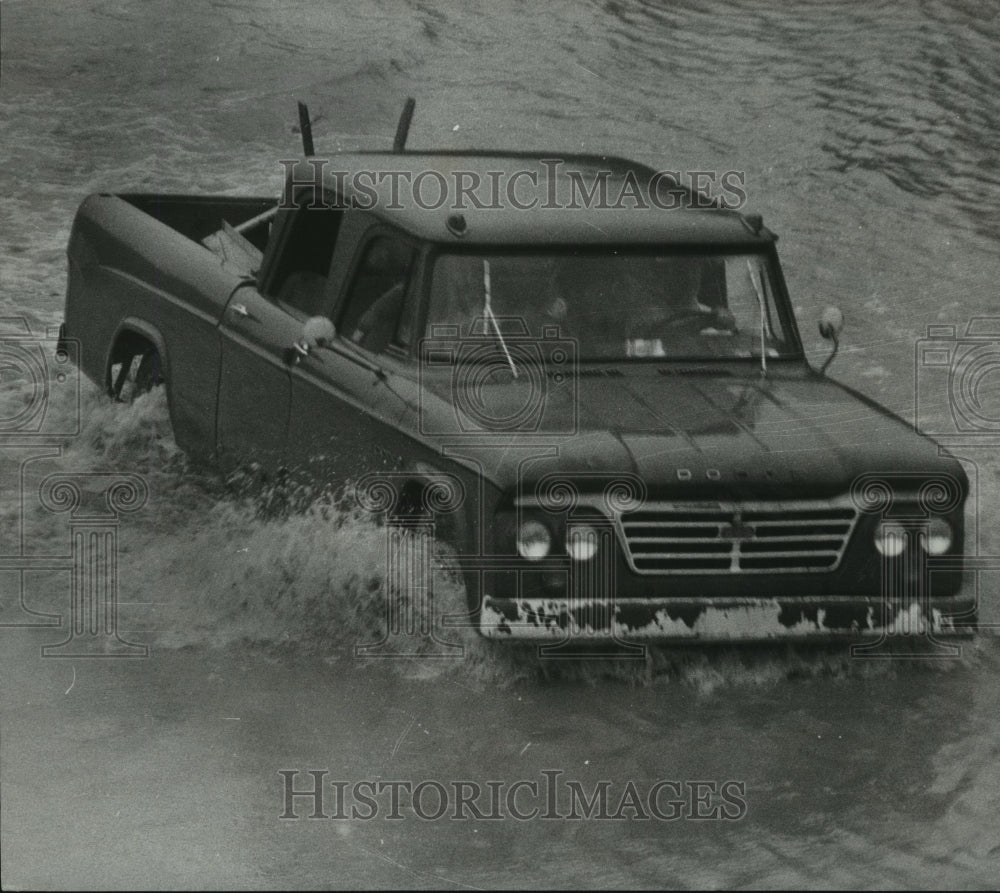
(747, 538)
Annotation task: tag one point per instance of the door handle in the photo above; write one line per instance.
(240, 310)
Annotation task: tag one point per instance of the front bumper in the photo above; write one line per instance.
(723, 619)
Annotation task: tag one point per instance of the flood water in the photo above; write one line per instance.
(867, 134)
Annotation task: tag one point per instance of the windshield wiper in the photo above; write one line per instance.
(488, 313)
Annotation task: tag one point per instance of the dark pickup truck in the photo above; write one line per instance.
(615, 399)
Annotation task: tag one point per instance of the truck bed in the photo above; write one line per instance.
(142, 263)
(199, 216)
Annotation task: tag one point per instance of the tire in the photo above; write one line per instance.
(139, 374)
(148, 375)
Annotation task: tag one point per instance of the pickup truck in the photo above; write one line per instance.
(617, 397)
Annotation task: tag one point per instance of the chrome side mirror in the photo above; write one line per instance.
(318, 331)
(831, 323)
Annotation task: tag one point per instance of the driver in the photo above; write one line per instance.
(689, 296)
(681, 278)
(388, 265)
(457, 297)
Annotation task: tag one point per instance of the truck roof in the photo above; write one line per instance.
(524, 198)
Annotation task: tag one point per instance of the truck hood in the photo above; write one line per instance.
(741, 434)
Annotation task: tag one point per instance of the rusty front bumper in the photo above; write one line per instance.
(723, 619)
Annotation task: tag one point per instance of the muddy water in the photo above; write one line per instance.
(867, 136)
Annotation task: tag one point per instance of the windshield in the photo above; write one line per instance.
(616, 305)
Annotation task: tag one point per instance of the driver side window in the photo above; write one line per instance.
(375, 301)
(301, 277)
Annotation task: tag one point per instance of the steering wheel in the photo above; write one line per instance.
(689, 315)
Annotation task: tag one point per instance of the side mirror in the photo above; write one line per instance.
(831, 323)
(318, 331)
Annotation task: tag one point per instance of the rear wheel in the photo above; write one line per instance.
(137, 374)
(149, 374)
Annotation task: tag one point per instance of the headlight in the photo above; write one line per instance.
(890, 540)
(581, 542)
(533, 540)
(938, 538)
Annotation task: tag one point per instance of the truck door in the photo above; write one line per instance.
(257, 336)
(259, 331)
(348, 399)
